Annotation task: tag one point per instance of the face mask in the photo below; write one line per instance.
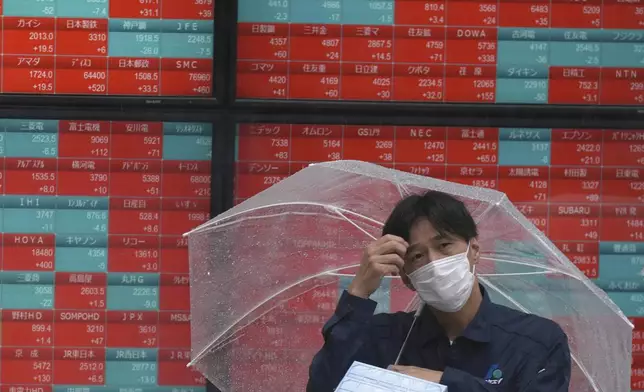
(445, 284)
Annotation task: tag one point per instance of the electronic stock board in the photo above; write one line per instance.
(476, 51)
(94, 270)
(584, 188)
(149, 48)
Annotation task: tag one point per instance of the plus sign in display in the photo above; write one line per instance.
(107, 47)
(93, 267)
(584, 188)
(485, 51)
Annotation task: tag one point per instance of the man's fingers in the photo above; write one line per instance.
(391, 237)
(388, 269)
(390, 259)
(391, 247)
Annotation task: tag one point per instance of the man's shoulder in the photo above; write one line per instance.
(526, 327)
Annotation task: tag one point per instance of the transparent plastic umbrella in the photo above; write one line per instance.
(276, 262)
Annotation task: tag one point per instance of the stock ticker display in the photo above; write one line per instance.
(488, 51)
(107, 47)
(94, 271)
(583, 187)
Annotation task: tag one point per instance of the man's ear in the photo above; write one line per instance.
(406, 281)
(475, 249)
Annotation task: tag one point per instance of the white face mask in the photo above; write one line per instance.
(445, 284)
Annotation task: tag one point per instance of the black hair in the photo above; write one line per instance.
(447, 215)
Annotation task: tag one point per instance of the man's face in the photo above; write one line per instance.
(427, 246)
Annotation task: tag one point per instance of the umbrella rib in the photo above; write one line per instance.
(215, 220)
(525, 310)
(543, 267)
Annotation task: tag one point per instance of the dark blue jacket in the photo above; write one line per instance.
(501, 350)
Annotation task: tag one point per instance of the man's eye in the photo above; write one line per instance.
(445, 245)
(418, 256)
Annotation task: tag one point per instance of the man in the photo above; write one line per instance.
(460, 338)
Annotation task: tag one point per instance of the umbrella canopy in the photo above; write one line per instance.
(278, 260)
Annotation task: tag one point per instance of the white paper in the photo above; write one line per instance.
(366, 378)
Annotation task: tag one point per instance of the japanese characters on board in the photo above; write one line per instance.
(489, 51)
(94, 284)
(162, 48)
(583, 187)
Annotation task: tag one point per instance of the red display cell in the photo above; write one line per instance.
(574, 85)
(472, 145)
(369, 143)
(174, 329)
(29, 252)
(28, 365)
(525, 184)
(80, 328)
(83, 139)
(420, 44)
(28, 74)
(282, 336)
(181, 77)
(135, 217)
(537, 214)
(138, 10)
(625, 186)
(134, 76)
(132, 253)
(421, 145)
(79, 366)
(174, 255)
(471, 45)
(577, 147)
(314, 81)
(173, 369)
(574, 222)
(472, 13)
(137, 140)
(419, 82)
(174, 292)
(482, 176)
(29, 176)
(135, 178)
(132, 329)
(624, 148)
(622, 223)
(27, 328)
(470, 83)
(81, 291)
(186, 179)
(314, 43)
(638, 334)
(366, 81)
(420, 13)
(526, 13)
(637, 372)
(262, 79)
(620, 15)
(83, 177)
(571, 14)
(371, 44)
(180, 216)
(622, 86)
(572, 184)
(38, 32)
(81, 75)
(254, 177)
(316, 143)
(263, 41)
(263, 142)
(585, 256)
(180, 9)
(82, 37)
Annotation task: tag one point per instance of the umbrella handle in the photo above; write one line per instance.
(402, 348)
